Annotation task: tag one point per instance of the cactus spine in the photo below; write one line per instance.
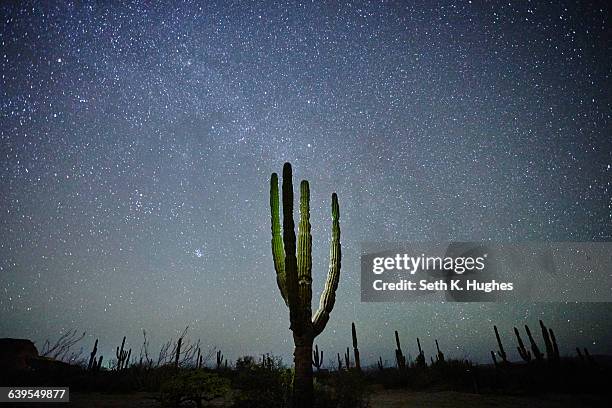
(522, 350)
(294, 276)
(317, 359)
(501, 351)
(355, 348)
(399, 356)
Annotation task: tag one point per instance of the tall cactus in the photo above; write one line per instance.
(355, 348)
(294, 276)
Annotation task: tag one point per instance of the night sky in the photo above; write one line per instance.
(137, 142)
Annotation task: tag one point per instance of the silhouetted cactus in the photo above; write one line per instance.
(380, 364)
(347, 359)
(579, 354)
(92, 357)
(99, 365)
(555, 347)
(501, 351)
(535, 350)
(294, 276)
(588, 357)
(550, 352)
(267, 361)
(522, 350)
(440, 355)
(399, 356)
(317, 359)
(219, 359)
(123, 357)
(339, 363)
(355, 348)
(178, 352)
(494, 359)
(420, 360)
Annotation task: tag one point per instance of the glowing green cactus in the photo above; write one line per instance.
(294, 275)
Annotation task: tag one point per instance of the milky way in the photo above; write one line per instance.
(137, 142)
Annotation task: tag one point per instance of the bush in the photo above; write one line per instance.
(195, 386)
(265, 384)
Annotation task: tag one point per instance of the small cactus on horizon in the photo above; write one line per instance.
(347, 359)
(440, 355)
(494, 359)
(522, 350)
(92, 357)
(220, 359)
(535, 350)
(399, 356)
(550, 351)
(380, 364)
(178, 352)
(501, 352)
(355, 348)
(123, 357)
(420, 360)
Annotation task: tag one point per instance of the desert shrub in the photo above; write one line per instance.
(343, 389)
(264, 384)
(196, 386)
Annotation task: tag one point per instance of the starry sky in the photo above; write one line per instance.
(137, 141)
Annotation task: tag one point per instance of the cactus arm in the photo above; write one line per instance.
(291, 278)
(328, 297)
(304, 254)
(278, 252)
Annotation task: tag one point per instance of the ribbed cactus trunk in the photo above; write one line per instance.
(294, 276)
